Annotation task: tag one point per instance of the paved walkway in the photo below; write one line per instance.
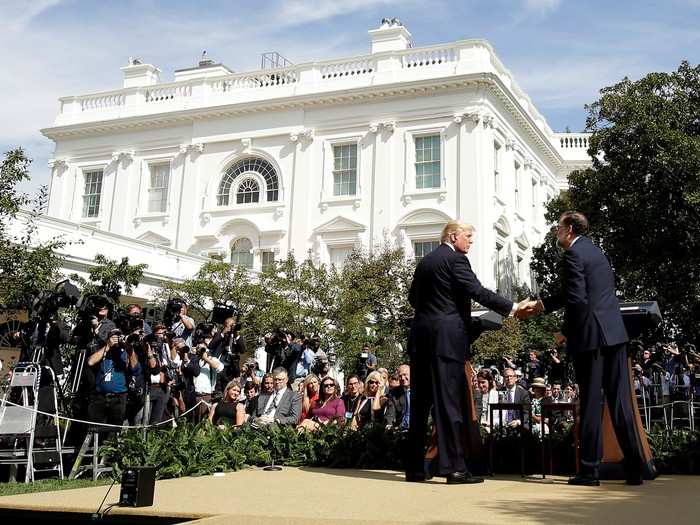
(297, 495)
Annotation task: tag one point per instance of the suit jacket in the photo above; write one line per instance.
(522, 397)
(395, 407)
(288, 409)
(441, 294)
(592, 317)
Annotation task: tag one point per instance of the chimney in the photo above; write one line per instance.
(137, 74)
(391, 36)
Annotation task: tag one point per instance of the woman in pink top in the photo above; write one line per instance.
(327, 409)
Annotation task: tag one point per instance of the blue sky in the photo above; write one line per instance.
(560, 51)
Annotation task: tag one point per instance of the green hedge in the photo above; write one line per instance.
(195, 450)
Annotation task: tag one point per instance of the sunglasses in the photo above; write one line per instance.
(372, 382)
(326, 385)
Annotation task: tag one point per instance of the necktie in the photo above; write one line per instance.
(407, 414)
(273, 406)
(511, 399)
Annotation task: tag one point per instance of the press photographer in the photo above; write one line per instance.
(176, 318)
(113, 364)
(366, 362)
(200, 370)
(161, 373)
(227, 346)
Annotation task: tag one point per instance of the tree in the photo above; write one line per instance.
(642, 193)
(110, 278)
(373, 303)
(27, 265)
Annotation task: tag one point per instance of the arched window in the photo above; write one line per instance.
(242, 253)
(251, 164)
(248, 191)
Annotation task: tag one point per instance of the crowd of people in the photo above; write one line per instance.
(153, 373)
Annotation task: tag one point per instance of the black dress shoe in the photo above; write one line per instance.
(462, 478)
(415, 476)
(634, 481)
(585, 481)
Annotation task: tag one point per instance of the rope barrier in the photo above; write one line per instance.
(108, 425)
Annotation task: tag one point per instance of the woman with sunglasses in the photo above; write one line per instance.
(371, 410)
(327, 409)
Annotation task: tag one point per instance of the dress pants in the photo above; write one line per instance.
(441, 383)
(605, 370)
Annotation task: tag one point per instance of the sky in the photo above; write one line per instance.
(561, 52)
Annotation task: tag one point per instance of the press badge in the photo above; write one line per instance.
(108, 377)
(348, 415)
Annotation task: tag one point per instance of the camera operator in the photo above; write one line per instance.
(202, 369)
(161, 372)
(183, 325)
(250, 373)
(227, 346)
(135, 311)
(555, 367)
(307, 358)
(366, 362)
(113, 364)
(136, 395)
(533, 368)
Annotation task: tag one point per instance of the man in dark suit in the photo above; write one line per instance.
(515, 393)
(441, 294)
(398, 413)
(597, 341)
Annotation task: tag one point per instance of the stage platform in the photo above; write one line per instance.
(304, 495)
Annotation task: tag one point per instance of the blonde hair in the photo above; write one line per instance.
(376, 376)
(234, 383)
(454, 226)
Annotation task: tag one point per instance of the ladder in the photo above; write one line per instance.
(21, 424)
(89, 449)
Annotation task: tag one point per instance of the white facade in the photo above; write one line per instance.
(318, 157)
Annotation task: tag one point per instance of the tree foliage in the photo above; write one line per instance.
(110, 278)
(28, 265)
(642, 194)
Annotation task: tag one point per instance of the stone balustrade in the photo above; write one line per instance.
(382, 68)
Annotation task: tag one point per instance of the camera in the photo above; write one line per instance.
(46, 304)
(120, 336)
(172, 311)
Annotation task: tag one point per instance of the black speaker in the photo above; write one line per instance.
(138, 485)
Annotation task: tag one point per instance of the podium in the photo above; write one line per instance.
(637, 317)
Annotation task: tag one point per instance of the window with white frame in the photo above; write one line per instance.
(158, 188)
(427, 162)
(497, 167)
(252, 164)
(344, 169)
(519, 270)
(516, 174)
(497, 267)
(248, 191)
(423, 248)
(267, 259)
(339, 254)
(92, 193)
(242, 253)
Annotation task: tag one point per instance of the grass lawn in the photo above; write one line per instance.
(48, 485)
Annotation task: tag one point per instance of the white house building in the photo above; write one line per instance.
(312, 158)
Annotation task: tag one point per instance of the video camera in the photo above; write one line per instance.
(46, 304)
(172, 311)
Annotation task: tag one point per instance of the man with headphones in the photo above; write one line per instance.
(443, 288)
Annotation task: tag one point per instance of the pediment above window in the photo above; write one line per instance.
(522, 241)
(502, 226)
(339, 224)
(154, 238)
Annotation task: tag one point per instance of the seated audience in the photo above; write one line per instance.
(310, 393)
(515, 393)
(328, 408)
(397, 413)
(282, 406)
(371, 410)
(224, 412)
(486, 394)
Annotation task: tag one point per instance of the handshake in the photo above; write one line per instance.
(527, 308)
